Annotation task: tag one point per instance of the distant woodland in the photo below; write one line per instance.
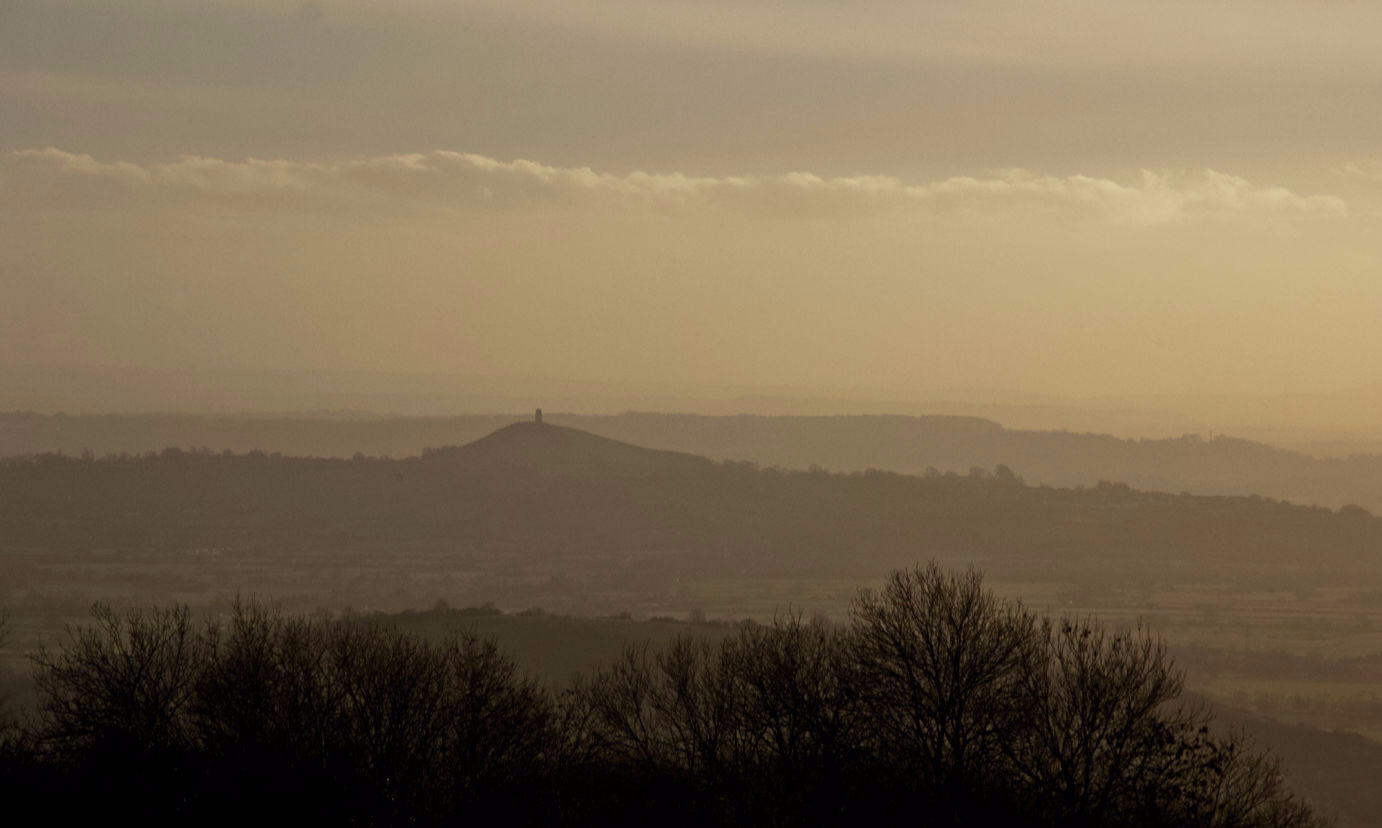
(1198, 463)
(551, 494)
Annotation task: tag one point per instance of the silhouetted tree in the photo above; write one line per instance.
(115, 707)
(938, 703)
(664, 712)
(940, 661)
(798, 726)
(4, 641)
(1234, 786)
(127, 680)
(9, 726)
(17, 754)
(274, 720)
(1098, 733)
(498, 727)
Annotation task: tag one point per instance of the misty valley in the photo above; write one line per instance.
(567, 548)
(950, 413)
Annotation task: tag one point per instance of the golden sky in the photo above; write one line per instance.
(1057, 196)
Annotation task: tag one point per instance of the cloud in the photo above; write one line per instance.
(1370, 170)
(442, 179)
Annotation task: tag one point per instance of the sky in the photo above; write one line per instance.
(1063, 197)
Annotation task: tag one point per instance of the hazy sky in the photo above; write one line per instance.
(1064, 196)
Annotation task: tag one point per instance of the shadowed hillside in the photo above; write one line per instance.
(541, 496)
(1222, 465)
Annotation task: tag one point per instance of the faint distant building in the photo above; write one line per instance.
(537, 417)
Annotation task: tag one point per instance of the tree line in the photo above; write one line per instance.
(937, 703)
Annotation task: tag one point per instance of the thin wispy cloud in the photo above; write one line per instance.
(1370, 170)
(443, 179)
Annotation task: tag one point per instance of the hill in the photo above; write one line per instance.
(559, 514)
(548, 449)
(908, 444)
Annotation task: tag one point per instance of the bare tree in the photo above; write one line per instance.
(391, 714)
(1232, 785)
(6, 719)
(269, 688)
(796, 702)
(940, 659)
(939, 701)
(128, 680)
(794, 747)
(665, 712)
(498, 725)
(1100, 728)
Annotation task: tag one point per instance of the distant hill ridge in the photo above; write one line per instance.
(546, 492)
(555, 449)
(907, 444)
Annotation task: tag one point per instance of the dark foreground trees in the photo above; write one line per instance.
(938, 704)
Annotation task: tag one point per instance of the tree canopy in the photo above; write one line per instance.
(937, 702)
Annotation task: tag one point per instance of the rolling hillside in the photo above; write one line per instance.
(1222, 465)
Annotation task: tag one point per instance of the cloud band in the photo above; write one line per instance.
(437, 180)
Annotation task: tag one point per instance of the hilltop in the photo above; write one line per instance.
(551, 449)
